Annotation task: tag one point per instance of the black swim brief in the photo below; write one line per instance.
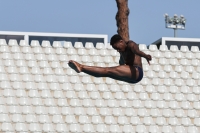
(140, 73)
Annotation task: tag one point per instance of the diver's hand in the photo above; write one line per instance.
(148, 58)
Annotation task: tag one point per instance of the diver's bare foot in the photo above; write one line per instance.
(75, 65)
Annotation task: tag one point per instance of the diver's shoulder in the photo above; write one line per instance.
(131, 43)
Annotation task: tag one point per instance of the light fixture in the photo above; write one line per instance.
(175, 22)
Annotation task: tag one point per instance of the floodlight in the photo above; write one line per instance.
(183, 22)
(166, 15)
(175, 22)
(170, 21)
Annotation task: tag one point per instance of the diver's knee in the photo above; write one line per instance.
(109, 71)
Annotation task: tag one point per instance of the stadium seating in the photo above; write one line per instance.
(41, 93)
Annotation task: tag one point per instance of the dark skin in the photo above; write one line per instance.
(126, 71)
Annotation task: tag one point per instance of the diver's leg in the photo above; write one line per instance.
(122, 72)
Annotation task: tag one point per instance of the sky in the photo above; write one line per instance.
(146, 20)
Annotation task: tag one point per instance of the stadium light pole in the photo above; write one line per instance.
(175, 23)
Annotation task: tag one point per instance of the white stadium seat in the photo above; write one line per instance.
(184, 49)
(115, 128)
(70, 119)
(158, 54)
(89, 45)
(35, 127)
(50, 50)
(186, 121)
(160, 121)
(193, 129)
(6, 56)
(153, 47)
(114, 53)
(37, 50)
(148, 121)
(57, 44)
(41, 93)
(167, 129)
(27, 49)
(66, 44)
(180, 129)
(3, 109)
(194, 48)
(197, 121)
(100, 45)
(189, 55)
(93, 52)
(154, 129)
(179, 55)
(18, 56)
(35, 43)
(5, 49)
(102, 128)
(78, 45)
(82, 51)
(141, 128)
(48, 127)
(88, 128)
(163, 48)
(173, 121)
(23, 43)
(174, 48)
(167, 112)
(30, 56)
(128, 129)
(142, 47)
(3, 42)
(104, 52)
(46, 44)
(7, 127)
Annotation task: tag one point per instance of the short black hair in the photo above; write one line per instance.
(115, 38)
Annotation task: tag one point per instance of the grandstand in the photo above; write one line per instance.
(40, 93)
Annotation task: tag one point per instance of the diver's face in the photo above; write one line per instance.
(120, 46)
